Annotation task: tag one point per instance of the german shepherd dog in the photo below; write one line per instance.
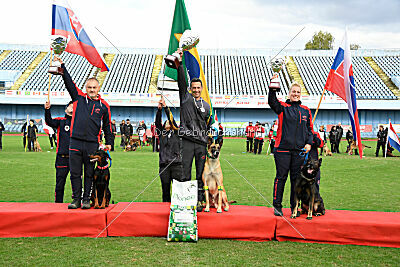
(307, 192)
(327, 151)
(213, 180)
(101, 194)
(353, 145)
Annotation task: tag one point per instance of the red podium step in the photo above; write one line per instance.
(50, 219)
(151, 219)
(343, 227)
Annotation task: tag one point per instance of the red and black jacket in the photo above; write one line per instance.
(88, 115)
(63, 125)
(295, 128)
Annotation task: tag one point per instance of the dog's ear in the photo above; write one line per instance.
(210, 141)
(219, 141)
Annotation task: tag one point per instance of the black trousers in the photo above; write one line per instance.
(62, 170)
(378, 145)
(123, 141)
(112, 142)
(258, 144)
(271, 145)
(51, 138)
(285, 162)
(249, 143)
(31, 143)
(197, 151)
(24, 141)
(1, 141)
(167, 174)
(79, 152)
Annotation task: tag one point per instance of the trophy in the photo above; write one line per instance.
(276, 65)
(58, 44)
(188, 40)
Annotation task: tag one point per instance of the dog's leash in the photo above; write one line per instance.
(304, 154)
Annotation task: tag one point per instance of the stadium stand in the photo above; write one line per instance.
(314, 72)
(18, 60)
(240, 75)
(390, 65)
(129, 73)
(79, 68)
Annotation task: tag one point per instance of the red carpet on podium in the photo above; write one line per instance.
(50, 219)
(240, 223)
(343, 227)
(151, 219)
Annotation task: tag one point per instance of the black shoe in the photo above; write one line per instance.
(85, 204)
(278, 211)
(199, 207)
(76, 203)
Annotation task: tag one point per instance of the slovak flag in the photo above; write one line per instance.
(341, 82)
(393, 139)
(65, 23)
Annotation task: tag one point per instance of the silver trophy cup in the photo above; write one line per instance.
(58, 44)
(276, 65)
(188, 40)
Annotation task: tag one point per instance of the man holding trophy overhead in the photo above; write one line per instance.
(294, 137)
(194, 117)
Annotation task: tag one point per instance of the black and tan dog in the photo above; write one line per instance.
(353, 145)
(213, 180)
(306, 191)
(101, 194)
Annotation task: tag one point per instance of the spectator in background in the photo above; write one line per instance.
(63, 125)
(259, 134)
(250, 137)
(332, 138)
(129, 130)
(339, 130)
(322, 136)
(381, 142)
(141, 131)
(114, 133)
(31, 134)
(154, 137)
(122, 129)
(23, 130)
(1, 135)
(52, 137)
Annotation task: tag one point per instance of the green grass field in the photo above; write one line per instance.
(346, 183)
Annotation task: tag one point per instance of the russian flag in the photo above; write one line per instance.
(341, 82)
(65, 23)
(393, 139)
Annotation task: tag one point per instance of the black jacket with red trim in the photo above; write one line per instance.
(63, 125)
(88, 115)
(295, 128)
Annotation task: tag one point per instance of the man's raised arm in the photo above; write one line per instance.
(69, 83)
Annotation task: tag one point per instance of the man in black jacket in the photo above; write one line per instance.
(339, 130)
(63, 126)
(129, 130)
(114, 133)
(294, 134)
(90, 111)
(195, 119)
(122, 129)
(170, 159)
(31, 134)
(381, 141)
(1, 135)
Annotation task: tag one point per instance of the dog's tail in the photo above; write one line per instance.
(367, 146)
(231, 202)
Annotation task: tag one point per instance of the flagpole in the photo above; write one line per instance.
(387, 139)
(51, 61)
(319, 104)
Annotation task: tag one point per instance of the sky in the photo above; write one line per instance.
(219, 23)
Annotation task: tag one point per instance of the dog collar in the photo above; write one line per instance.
(103, 168)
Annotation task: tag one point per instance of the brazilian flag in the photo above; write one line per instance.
(191, 59)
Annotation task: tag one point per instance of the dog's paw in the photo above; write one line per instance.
(207, 210)
(293, 216)
(219, 210)
(309, 218)
(226, 209)
(96, 207)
